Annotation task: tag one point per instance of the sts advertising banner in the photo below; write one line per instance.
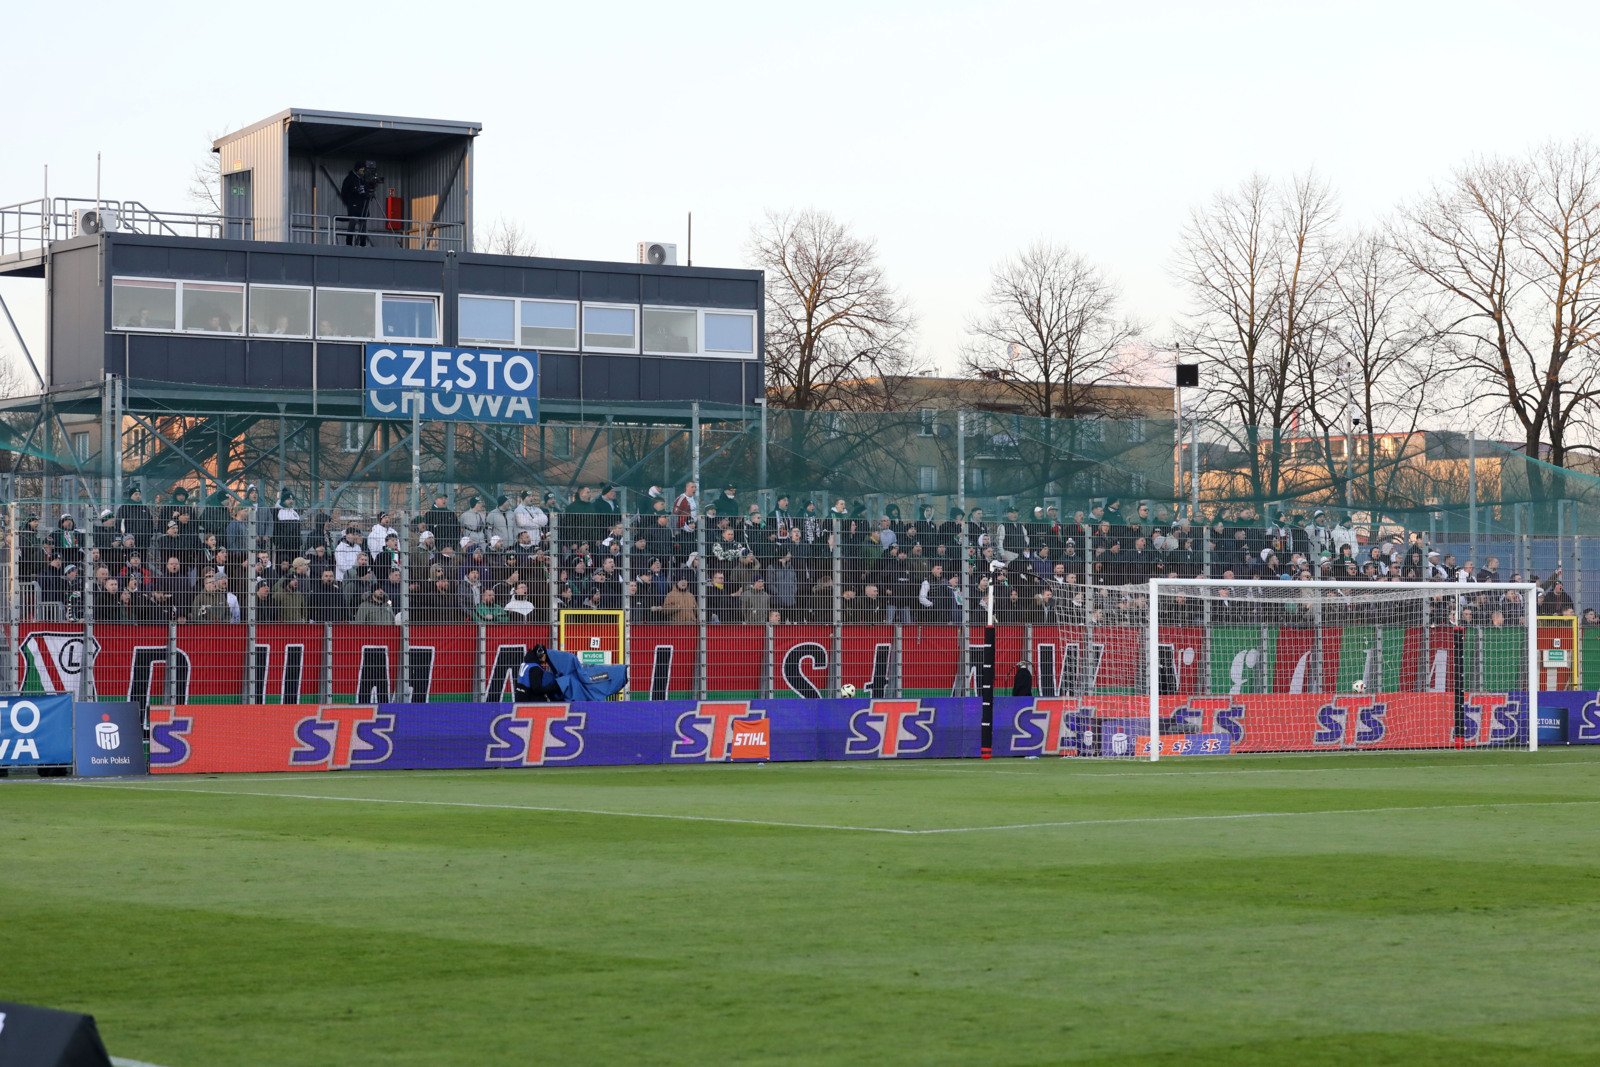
(209, 738)
(450, 384)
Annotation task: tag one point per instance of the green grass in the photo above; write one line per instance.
(204, 925)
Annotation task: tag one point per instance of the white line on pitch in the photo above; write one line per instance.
(1250, 815)
(123, 1061)
(509, 807)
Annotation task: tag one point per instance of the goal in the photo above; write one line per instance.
(1314, 666)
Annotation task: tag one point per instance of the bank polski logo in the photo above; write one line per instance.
(53, 661)
(1120, 744)
(106, 734)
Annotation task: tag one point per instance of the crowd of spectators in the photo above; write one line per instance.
(519, 558)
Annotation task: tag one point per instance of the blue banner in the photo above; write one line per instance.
(450, 384)
(36, 731)
(109, 740)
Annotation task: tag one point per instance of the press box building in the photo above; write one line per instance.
(213, 347)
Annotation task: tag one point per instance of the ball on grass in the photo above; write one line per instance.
(847, 690)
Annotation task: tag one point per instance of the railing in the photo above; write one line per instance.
(32, 225)
(423, 234)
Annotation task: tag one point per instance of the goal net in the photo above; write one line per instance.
(1291, 666)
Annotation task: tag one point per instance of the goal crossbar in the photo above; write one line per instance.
(1373, 590)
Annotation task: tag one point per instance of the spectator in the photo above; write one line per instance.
(474, 522)
(211, 604)
(487, 610)
(375, 610)
(347, 553)
(378, 536)
(286, 532)
(757, 602)
(679, 605)
(135, 518)
(500, 522)
(441, 521)
(288, 602)
(327, 602)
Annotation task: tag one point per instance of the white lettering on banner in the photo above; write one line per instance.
(467, 377)
(377, 404)
(18, 709)
(379, 376)
(490, 360)
(24, 746)
(523, 364)
(412, 378)
(447, 405)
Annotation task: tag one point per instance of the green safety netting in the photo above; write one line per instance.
(1445, 481)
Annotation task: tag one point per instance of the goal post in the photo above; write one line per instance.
(1251, 665)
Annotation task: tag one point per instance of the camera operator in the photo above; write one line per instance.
(359, 187)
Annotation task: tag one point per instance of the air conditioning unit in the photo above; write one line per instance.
(658, 253)
(88, 221)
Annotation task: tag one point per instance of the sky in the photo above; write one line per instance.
(953, 134)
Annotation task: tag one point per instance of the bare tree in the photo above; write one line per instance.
(205, 180)
(1051, 334)
(1384, 362)
(1258, 263)
(837, 332)
(1513, 249)
(508, 237)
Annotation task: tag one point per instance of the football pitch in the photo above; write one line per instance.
(1419, 908)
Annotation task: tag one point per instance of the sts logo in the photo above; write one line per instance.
(1207, 717)
(1351, 726)
(1049, 726)
(890, 728)
(1500, 723)
(706, 733)
(169, 738)
(1589, 723)
(340, 736)
(532, 735)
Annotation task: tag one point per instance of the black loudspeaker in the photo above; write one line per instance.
(42, 1037)
(1188, 375)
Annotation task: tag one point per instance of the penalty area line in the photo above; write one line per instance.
(542, 808)
(1143, 820)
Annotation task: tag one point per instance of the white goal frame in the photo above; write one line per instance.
(1152, 676)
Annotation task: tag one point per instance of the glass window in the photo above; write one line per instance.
(143, 304)
(927, 479)
(487, 319)
(410, 318)
(670, 330)
(610, 328)
(731, 331)
(210, 307)
(279, 312)
(549, 324)
(346, 313)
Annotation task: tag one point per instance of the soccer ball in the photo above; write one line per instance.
(1359, 685)
(847, 690)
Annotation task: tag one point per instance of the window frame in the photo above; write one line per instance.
(516, 321)
(317, 301)
(723, 353)
(605, 305)
(244, 307)
(408, 294)
(699, 330)
(151, 283)
(311, 308)
(577, 331)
